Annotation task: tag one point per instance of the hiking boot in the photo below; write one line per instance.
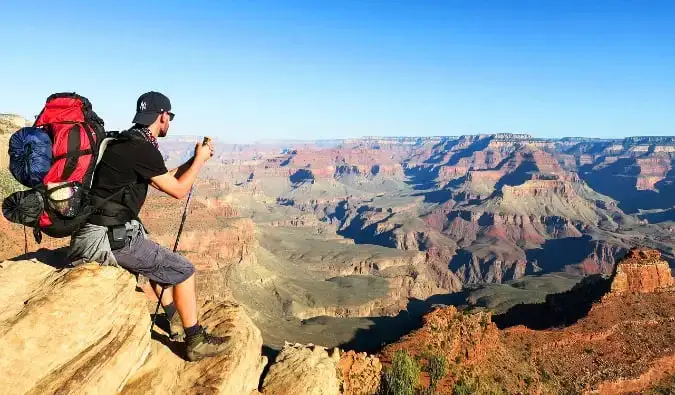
(176, 332)
(204, 345)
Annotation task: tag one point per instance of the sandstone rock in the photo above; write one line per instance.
(237, 371)
(9, 123)
(361, 373)
(82, 330)
(303, 370)
(642, 270)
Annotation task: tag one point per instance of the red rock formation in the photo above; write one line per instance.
(652, 170)
(642, 270)
(361, 373)
(623, 345)
(600, 261)
(460, 338)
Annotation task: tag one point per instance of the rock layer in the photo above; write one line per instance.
(84, 328)
(642, 271)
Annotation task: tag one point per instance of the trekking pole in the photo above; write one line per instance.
(175, 245)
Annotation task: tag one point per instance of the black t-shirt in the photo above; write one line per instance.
(131, 163)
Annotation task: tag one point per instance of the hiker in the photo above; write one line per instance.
(115, 235)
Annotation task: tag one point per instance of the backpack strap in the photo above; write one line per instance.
(110, 213)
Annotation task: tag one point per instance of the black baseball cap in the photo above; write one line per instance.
(149, 106)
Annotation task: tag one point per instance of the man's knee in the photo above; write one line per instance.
(188, 278)
(186, 268)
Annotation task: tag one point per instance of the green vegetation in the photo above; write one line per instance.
(403, 376)
(437, 367)
(464, 387)
(8, 184)
(484, 321)
(664, 387)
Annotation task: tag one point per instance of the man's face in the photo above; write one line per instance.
(165, 122)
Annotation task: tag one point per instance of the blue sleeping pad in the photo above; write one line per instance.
(30, 155)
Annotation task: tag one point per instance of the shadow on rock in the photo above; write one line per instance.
(555, 254)
(559, 310)
(440, 196)
(178, 348)
(57, 258)
(422, 177)
(386, 330)
(271, 355)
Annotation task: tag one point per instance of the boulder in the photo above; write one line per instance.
(237, 371)
(303, 370)
(81, 330)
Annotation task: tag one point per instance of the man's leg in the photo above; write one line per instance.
(185, 299)
(153, 291)
(162, 266)
(167, 296)
(176, 331)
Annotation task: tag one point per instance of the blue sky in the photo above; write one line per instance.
(248, 70)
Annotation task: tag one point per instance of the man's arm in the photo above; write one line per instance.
(178, 171)
(177, 183)
(178, 187)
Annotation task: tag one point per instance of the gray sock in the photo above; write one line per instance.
(169, 310)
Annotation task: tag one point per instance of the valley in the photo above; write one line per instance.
(358, 235)
(350, 242)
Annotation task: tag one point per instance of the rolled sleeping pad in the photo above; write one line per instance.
(30, 155)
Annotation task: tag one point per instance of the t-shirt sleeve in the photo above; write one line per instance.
(149, 162)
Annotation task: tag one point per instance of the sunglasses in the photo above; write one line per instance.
(171, 115)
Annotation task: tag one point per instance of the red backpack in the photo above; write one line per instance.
(60, 205)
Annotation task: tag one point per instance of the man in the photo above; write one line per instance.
(127, 167)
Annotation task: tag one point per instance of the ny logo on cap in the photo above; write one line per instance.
(143, 105)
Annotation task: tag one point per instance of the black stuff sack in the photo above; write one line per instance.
(23, 207)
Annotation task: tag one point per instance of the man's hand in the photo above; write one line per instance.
(204, 151)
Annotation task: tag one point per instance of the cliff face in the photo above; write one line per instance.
(505, 207)
(642, 271)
